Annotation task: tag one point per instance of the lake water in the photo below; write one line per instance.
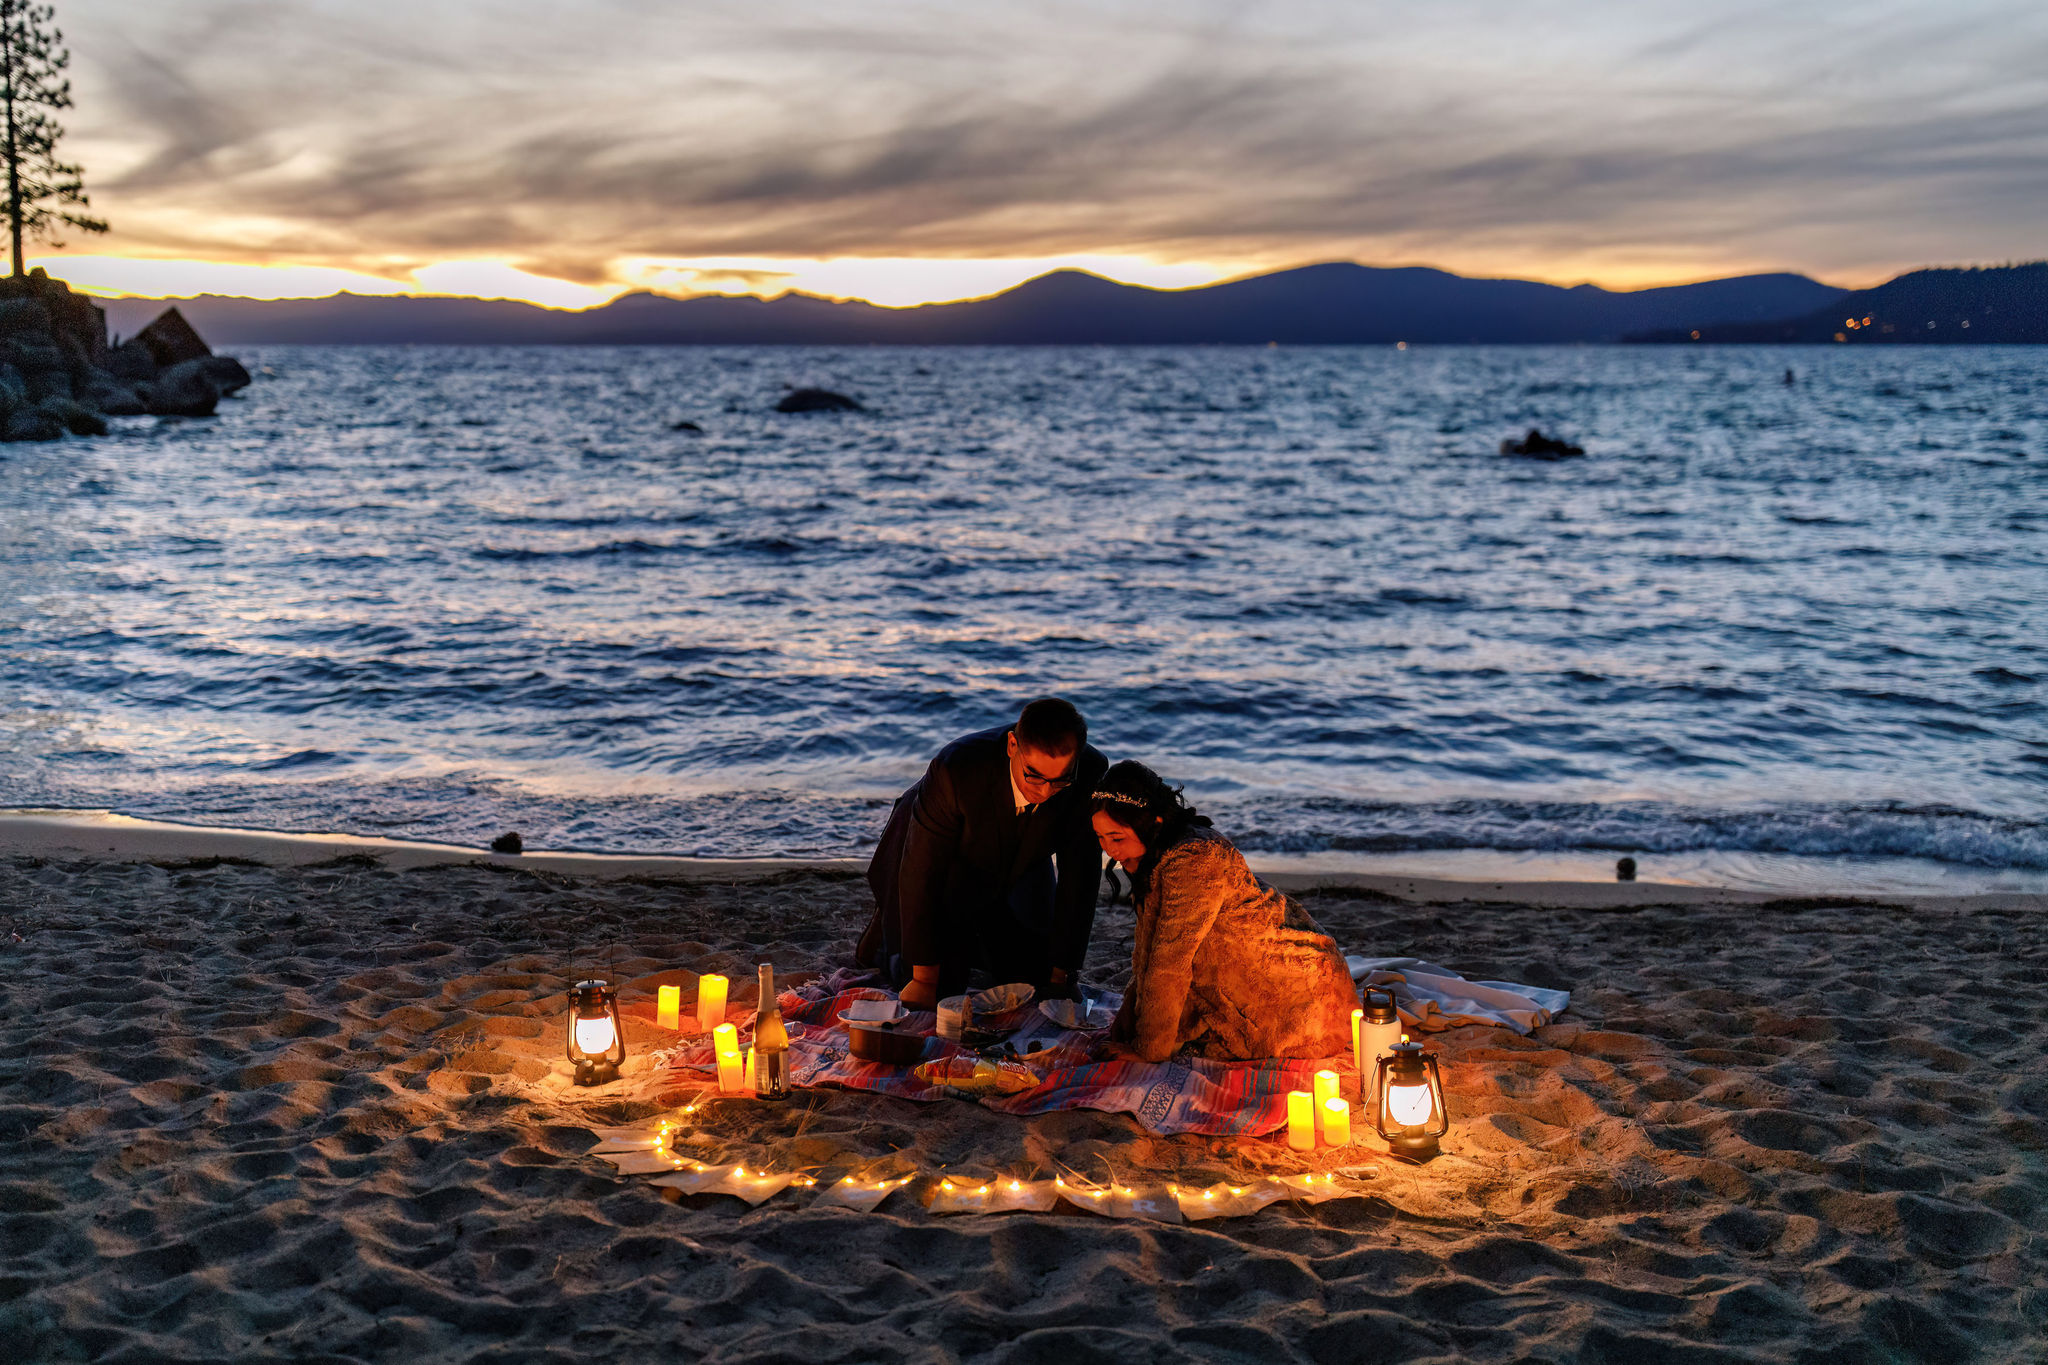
(1764, 634)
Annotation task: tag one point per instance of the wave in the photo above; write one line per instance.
(1935, 833)
(472, 808)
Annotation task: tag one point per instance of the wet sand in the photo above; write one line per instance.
(316, 1113)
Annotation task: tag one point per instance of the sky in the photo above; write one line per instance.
(909, 152)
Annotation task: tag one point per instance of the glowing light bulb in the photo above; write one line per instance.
(1408, 1105)
(595, 1036)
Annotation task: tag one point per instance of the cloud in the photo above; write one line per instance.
(566, 144)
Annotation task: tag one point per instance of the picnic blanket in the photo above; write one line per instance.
(1433, 998)
(1181, 1095)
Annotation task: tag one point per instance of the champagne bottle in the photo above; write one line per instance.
(771, 1043)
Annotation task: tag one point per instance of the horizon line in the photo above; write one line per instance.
(402, 292)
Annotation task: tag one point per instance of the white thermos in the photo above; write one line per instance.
(1379, 1028)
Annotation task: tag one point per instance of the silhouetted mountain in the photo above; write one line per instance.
(1314, 305)
(1993, 303)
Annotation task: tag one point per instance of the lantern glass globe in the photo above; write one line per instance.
(595, 1036)
(1408, 1105)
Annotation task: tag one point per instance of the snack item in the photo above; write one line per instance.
(976, 1076)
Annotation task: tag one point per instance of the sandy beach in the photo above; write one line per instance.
(314, 1113)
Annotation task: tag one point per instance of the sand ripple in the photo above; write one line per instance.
(260, 1114)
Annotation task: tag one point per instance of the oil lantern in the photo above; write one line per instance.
(1410, 1114)
(597, 1043)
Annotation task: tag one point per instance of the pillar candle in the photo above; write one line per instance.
(669, 1007)
(710, 1001)
(725, 1039)
(1326, 1087)
(1336, 1116)
(1301, 1120)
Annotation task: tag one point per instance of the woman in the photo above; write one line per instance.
(1225, 967)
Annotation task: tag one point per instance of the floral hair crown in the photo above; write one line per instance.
(1121, 799)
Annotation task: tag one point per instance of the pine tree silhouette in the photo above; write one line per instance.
(42, 192)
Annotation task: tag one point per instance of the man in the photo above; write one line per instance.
(989, 862)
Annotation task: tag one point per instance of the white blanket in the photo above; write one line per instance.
(1432, 997)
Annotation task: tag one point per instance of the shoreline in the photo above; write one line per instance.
(105, 836)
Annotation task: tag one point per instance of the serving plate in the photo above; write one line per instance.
(1087, 1018)
(898, 1015)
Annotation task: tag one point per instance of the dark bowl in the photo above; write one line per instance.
(872, 1043)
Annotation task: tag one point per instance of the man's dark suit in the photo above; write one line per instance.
(958, 871)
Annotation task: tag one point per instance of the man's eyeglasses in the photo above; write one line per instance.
(1056, 783)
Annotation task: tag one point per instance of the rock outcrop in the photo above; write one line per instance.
(1537, 446)
(59, 373)
(817, 400)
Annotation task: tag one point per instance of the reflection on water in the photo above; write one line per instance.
(443, 592)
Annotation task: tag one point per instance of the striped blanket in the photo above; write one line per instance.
(1181, 1095)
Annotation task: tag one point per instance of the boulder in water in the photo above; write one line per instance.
(184, 390)
(32, 424)
(508, 842)
(1537, 446)
(171, 341)
(58, 373)
(817, 400)
(77, 418)
(228, 374)
(132, 361)
(114, 398)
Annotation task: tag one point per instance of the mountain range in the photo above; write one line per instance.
(1331, 304)
(1923, 307)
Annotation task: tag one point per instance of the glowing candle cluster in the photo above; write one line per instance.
(1320, 1112)
(710, 1001)
(725, 1041)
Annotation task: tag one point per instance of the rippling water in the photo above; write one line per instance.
(1760, 628)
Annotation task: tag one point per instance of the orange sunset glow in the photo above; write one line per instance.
(917, 155)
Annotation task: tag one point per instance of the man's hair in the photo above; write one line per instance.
(1051, 725)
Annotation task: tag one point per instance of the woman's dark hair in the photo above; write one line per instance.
(1132, 794)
